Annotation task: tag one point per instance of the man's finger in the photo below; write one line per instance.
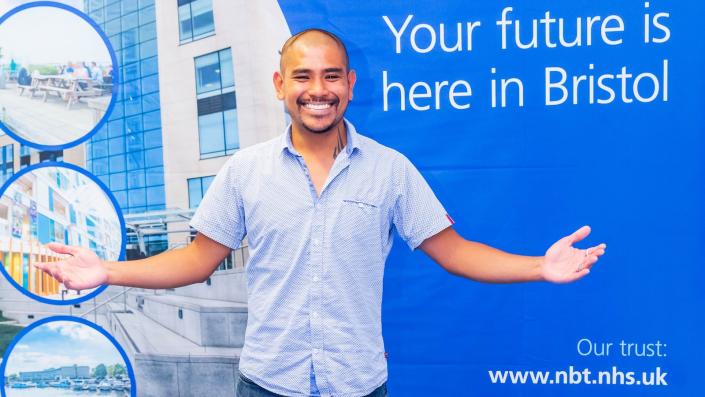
(590, 261)
(52, 268)
(579, 234)
(62, 249)
(581, 274)
(45, 266)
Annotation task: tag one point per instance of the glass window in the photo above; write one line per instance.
(195, 19)
(202, 17)
(113, 27)
(112, 11)
(130, 21)
(115, 42)
(133, 124)
(217, 125)
(148, 31)
(7, 167)
(135, 179)
(153, 157)
(155, 176)
(130, 37)
(207, 73)
(115, 128)
(137, 197)
(133, 106)
(185, 27)
(130, 72)
(117, 181)
(117, 145)
(147, 15)
(152, 139)
(150, 102)
(135, 160)
(100, 149)
(132, 88)
(150, 84)
(155, 195)
(216, 103)
(100, 166)
(134, 142)
(149, 66)
(129, 6)
(145, 3)
(226, 68)
(148, 48)
(232, 141)
(152, 120)
(95, 4)
(214, 73)
(117, 163)
(197, 189)
(130, 54)
(117, 112)
(121, 198)
(210, 135)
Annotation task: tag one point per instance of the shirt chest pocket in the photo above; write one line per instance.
(359, 222)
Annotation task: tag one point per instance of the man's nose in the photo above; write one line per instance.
(317, 87)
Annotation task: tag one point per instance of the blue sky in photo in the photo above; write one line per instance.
(61, 343)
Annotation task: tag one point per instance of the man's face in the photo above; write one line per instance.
(314, 83)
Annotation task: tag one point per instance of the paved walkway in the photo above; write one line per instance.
(46, 123)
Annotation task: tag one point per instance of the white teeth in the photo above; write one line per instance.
(317, 106)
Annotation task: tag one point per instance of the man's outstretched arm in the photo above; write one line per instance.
(562, 263)
(82, 269)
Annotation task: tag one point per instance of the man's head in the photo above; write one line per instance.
(314, 80)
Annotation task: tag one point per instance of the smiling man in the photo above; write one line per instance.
(318, 205)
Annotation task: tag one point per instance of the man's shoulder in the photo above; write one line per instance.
(256, 152)
(377, 149)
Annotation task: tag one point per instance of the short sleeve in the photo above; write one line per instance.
(417, 213)
(220, 216)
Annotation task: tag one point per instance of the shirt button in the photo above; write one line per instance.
(315, 278)
(360, 205)
(315, 314)
(316, 241)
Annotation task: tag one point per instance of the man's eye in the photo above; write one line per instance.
(301, 77)
(332, 77)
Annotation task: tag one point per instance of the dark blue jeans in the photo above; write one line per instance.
(248, 388)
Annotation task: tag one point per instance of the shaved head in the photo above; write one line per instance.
(312, 36)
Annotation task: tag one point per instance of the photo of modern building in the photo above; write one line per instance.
(54, 88)
(65, 358)
(54, 204)
(196, 86)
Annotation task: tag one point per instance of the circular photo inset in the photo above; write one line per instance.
(66, 356)
(51, 203)
(57, 75)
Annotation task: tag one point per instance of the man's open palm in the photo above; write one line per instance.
(82, 269)
(564, 264)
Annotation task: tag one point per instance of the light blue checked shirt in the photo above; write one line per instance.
(314, 278)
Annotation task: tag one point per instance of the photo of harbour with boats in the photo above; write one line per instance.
(65, 358)
(69, 387)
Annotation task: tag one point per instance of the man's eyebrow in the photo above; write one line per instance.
(327, 70)
(301, 70)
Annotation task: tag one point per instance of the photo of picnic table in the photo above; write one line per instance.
(66, 87)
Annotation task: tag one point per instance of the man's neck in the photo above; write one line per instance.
(321, 145)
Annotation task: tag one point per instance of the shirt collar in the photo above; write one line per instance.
(352, 143)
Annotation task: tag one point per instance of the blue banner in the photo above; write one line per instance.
(530, 119)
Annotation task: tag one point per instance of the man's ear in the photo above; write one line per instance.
(278, 80)
(352, 77)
